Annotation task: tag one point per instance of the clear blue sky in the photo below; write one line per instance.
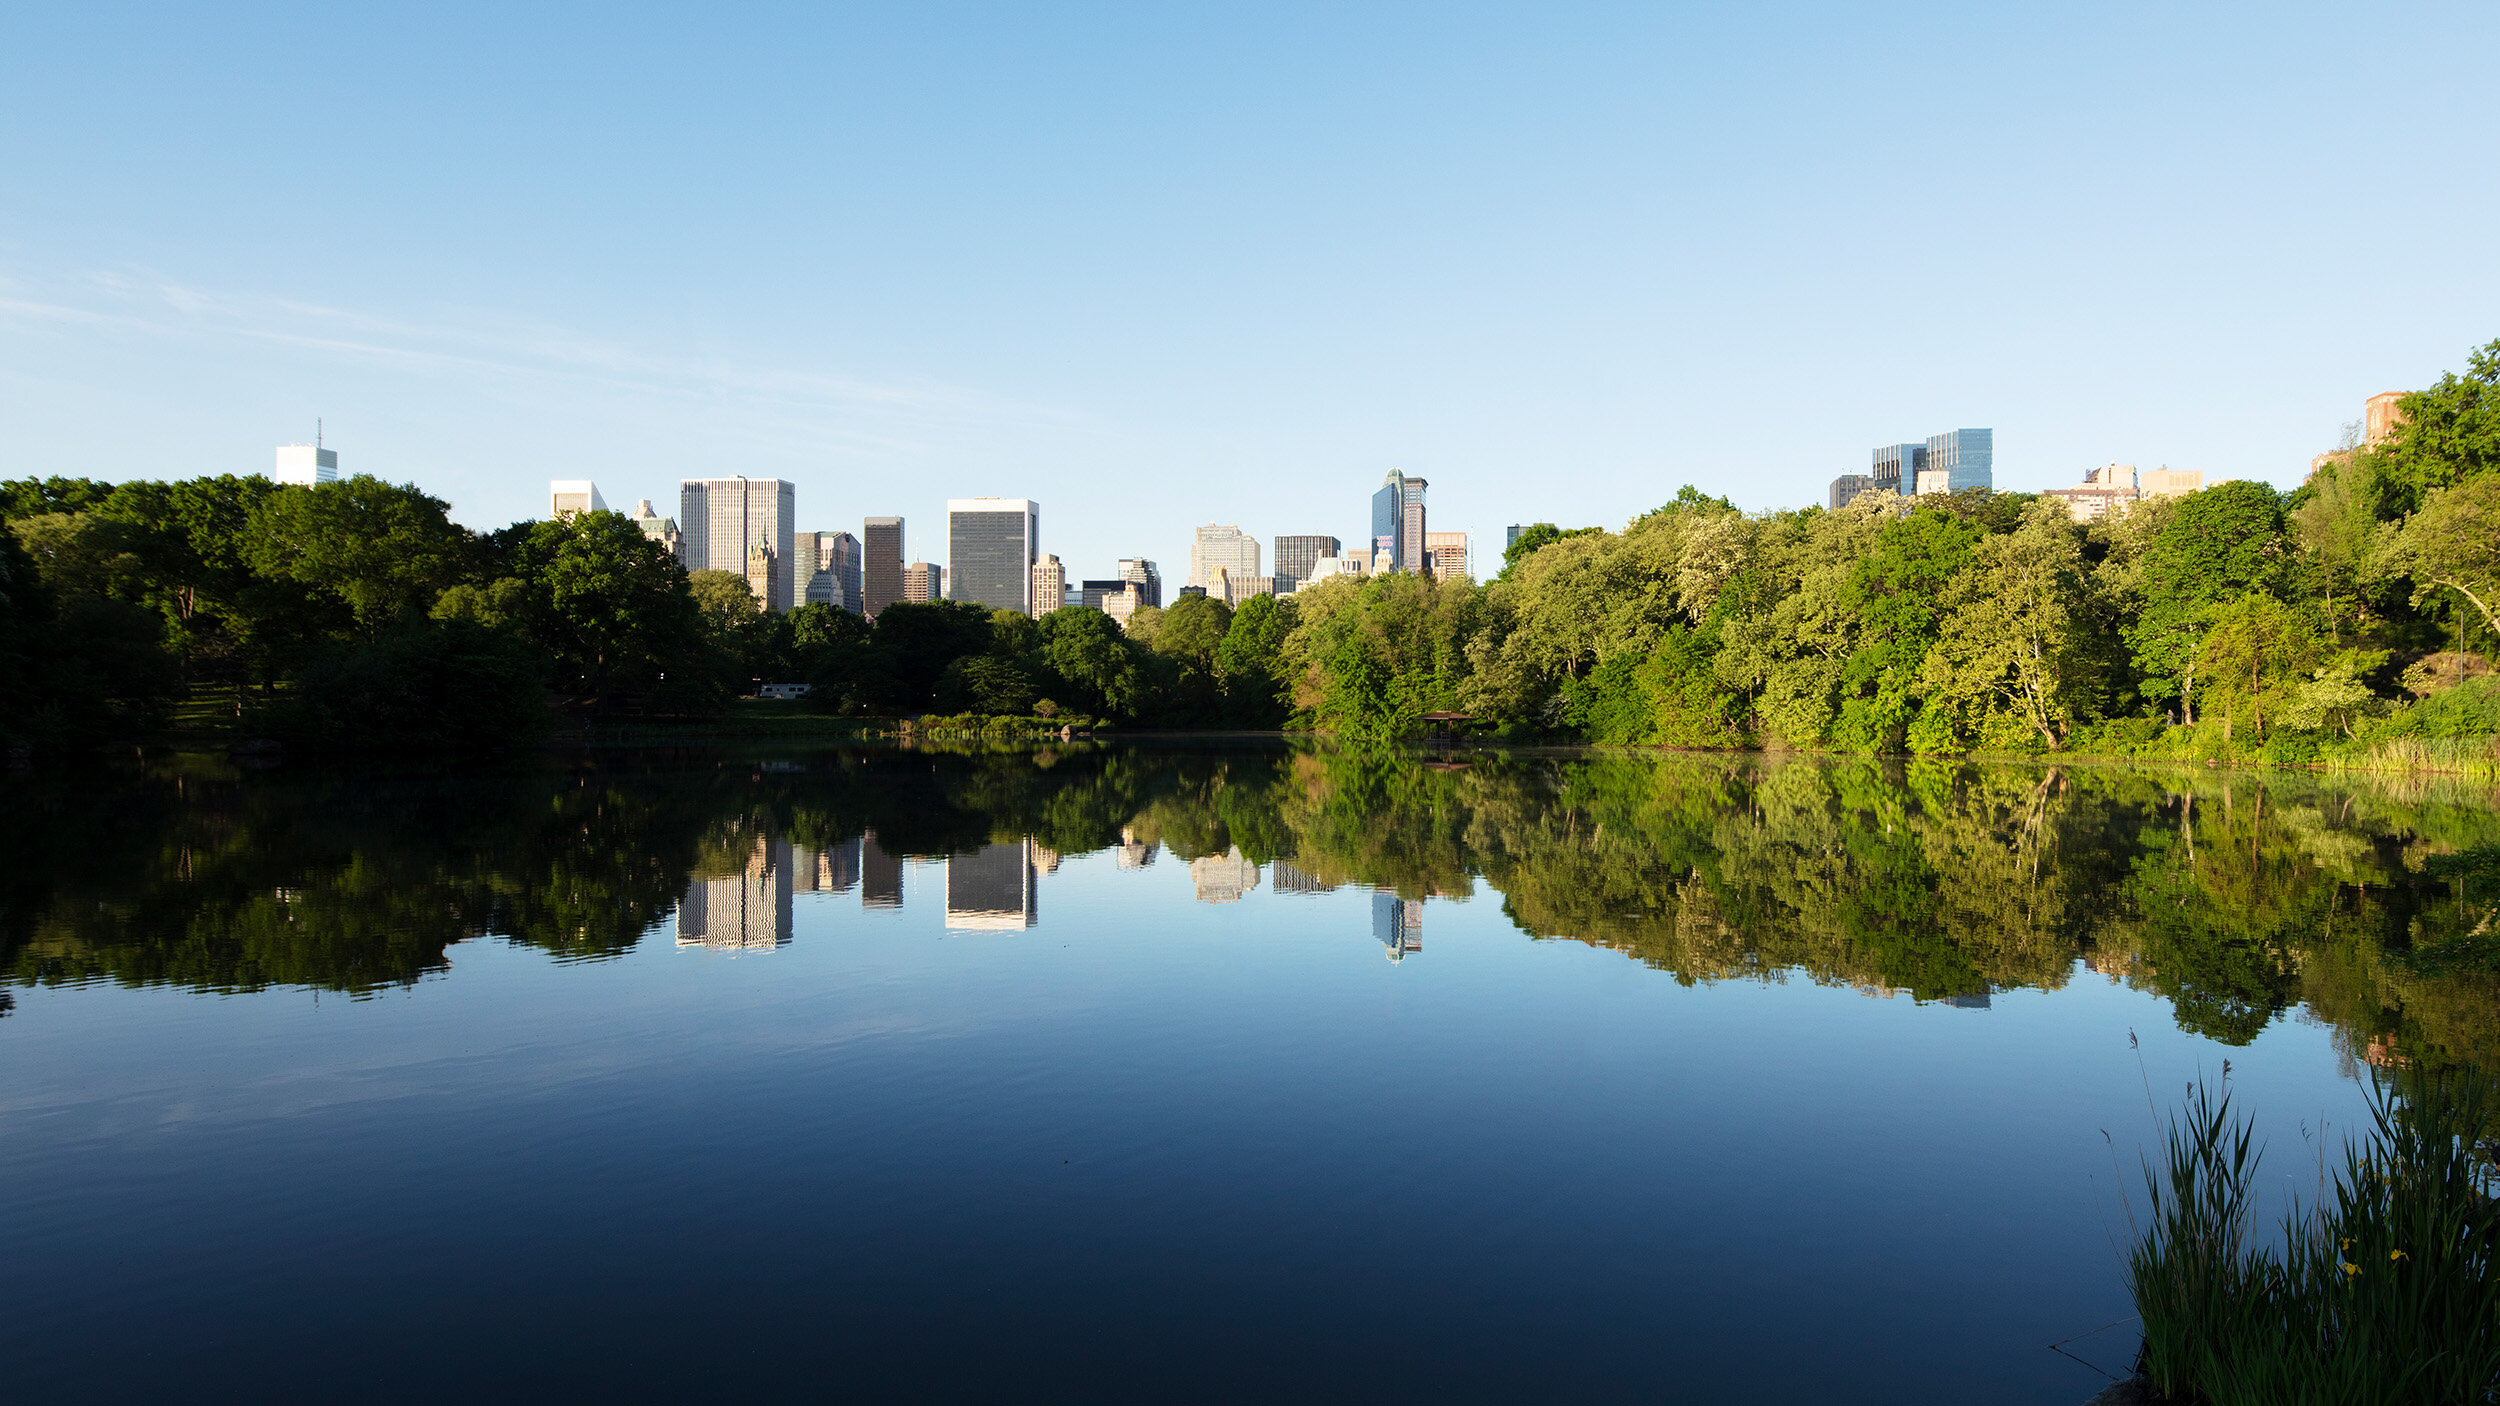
(1160, 265)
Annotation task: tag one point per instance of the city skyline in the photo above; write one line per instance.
(1550, 284)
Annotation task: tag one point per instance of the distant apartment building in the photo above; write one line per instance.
(1295, 557)
(1445, 556)
(1510, 536)
(1398, 522)
(722, 521)
(1149, 581)
(991, 888)
(662, 530)
(567, 496)
(1221, 548)
(923, 583)
(1050, 586)
(304, 465)
(880, 564)
(2380, 417)
(2112, 489)
(1123, 605)
(992, 545)
(1847, 487)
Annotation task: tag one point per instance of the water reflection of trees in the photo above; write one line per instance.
(2234, 897)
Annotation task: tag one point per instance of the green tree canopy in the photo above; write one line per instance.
(385, 551)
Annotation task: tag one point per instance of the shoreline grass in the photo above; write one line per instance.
(2386, 1289)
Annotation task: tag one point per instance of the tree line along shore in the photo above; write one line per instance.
(2347, 623)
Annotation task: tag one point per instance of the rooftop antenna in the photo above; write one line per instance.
(316, 432)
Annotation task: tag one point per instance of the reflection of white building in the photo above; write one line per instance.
(1398, 924)
(1223, 878)
(1134, 855)
(991, 888)
(748, 911)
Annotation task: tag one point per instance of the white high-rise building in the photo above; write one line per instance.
(306, 464)
(566, 496)
(1223, 555)
(1050, 586)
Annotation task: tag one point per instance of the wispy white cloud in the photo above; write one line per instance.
(508, 359)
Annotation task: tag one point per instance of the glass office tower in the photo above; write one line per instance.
(1398, 521)
(1295, 556)
(1962, 459)
(992, 545)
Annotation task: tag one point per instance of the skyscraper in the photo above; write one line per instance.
(1050, 586)
(566, 496)
(923, 583)
(1445, 555)
(722, 520)
(991, 546)
(1398, 521)
(1295, 556)
(1149, 581)
(807, 553)
(305, 465)
(1225, 548)
(841, 556)
(1847, 487)
(880, 564)
(1959, 459)
(827, 569)
(1895, 467)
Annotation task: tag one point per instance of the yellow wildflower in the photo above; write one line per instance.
(2398, 1255)
(2352, 1269)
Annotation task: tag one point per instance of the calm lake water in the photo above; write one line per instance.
(1153, 1074)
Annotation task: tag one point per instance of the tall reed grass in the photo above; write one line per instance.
(2463, 756)
(2386, 1290)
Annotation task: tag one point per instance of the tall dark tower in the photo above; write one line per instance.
(881, 564)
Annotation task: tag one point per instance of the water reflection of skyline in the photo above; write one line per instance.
(987, 888)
